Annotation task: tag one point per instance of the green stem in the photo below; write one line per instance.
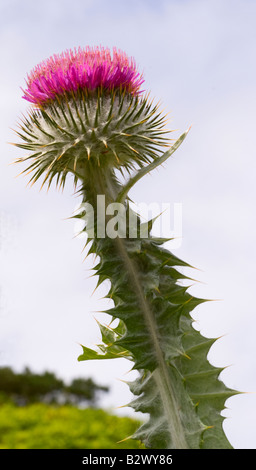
(161, 376)
(106, 185)
(155, 331)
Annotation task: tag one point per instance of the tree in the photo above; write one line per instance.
(28, 387)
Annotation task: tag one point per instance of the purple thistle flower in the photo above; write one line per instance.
(89, 113)
(82, 69)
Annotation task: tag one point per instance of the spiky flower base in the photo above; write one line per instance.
(113, 130)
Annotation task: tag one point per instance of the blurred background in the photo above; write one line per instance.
(198, 59)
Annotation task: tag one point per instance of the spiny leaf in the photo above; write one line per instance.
(145, 170)
(191, 382)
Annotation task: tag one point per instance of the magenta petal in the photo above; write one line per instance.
(87, 68)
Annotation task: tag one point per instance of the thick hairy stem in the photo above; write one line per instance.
(177, 386)
(161, 376)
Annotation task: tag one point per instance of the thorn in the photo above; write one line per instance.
(130, 370)
(98, 311)
(196, 280)
(208, 427)
(124, 382)
(125, 439)
(186, 355)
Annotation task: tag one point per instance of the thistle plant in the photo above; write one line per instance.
(90, 118)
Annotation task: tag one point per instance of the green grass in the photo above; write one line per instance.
(41, 426)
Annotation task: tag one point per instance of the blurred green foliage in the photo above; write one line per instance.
(27, 387)
(39, 411)
(42, 426)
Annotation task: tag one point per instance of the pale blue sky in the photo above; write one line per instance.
(198, 59)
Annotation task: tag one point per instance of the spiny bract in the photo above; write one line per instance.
(111, 130)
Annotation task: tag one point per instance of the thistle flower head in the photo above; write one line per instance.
(87, 110)
(82, 69)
